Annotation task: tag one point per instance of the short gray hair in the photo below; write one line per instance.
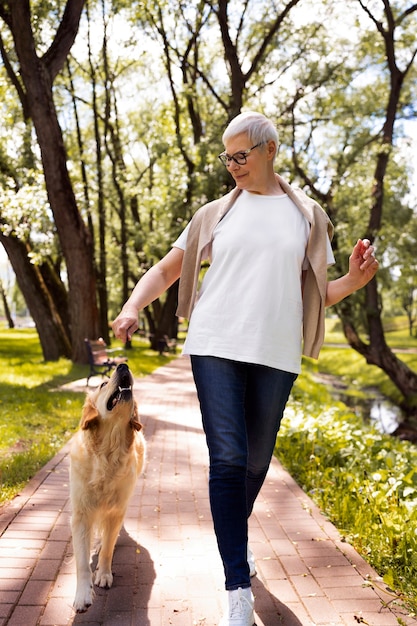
(259, 128)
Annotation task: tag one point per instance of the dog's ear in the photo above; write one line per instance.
(134, 420)
(90, 415)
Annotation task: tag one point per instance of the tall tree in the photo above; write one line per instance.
(34, 85)
(360, 123)
(392, 30)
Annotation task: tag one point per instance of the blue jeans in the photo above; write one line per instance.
(242, 407)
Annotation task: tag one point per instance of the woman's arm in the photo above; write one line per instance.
(362, 268)
(152, 284)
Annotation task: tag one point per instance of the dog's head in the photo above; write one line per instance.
(113, 400)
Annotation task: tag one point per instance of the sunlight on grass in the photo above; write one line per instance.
(34, 425)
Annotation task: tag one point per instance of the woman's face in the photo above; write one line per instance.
(256, 172)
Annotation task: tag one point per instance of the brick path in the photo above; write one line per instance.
(167, 570)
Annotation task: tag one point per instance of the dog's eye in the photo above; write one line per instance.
(103, 385)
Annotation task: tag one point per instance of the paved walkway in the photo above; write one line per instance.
(167, 570)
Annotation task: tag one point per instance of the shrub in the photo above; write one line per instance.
(364, 481)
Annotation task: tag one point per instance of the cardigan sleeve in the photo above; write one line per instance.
(199, 236)
(315, 284)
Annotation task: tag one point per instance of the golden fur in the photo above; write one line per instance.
(107, 456)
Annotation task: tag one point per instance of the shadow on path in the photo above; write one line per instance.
(269, 609)
(127, 600)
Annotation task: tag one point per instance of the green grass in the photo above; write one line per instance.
(36, 416)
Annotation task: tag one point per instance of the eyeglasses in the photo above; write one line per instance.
(239, 158)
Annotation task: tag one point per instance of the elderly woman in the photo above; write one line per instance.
(261, 304)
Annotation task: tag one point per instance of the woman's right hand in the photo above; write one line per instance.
(125, 324)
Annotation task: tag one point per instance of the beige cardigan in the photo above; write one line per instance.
(200, 235)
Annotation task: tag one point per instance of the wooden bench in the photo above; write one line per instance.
(101, 359)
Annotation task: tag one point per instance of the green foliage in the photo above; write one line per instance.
(36, 416)
(364, 481)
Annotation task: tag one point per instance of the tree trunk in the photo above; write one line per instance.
(37, 75)
(6, 308)
(58, 294)
(162, 321)
(52, 335)
(376, 351)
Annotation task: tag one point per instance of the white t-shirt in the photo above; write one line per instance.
(249, 307)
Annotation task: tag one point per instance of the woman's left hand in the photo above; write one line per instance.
(362, 263)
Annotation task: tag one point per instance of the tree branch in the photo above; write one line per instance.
(259, 56)
(14, 79)
(55, 57)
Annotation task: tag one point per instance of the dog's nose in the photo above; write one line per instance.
(122, 367)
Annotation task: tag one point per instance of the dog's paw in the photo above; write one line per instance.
(103, 578)
(83, 599)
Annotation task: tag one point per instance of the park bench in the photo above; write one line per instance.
(102, 359)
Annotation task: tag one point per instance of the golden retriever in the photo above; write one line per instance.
(107, 455)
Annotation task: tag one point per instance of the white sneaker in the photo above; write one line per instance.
(240, 608)
(251, 563)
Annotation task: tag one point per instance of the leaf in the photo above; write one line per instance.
(389, 579)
